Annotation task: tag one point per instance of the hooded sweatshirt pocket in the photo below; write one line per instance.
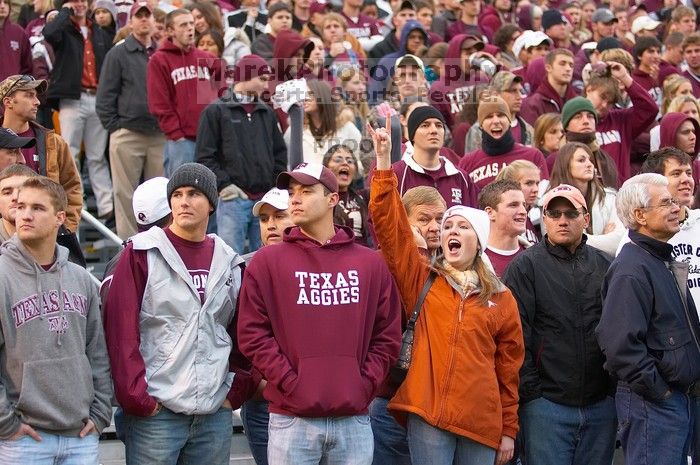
(56, 394)
(328, 386)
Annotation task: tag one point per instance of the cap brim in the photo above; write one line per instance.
(40, 85)
(573, 202)
(20, 143)
(304, 179)
(142, 7)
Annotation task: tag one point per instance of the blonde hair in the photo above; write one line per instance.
(344, 76)
(488, 281)
(543, 124)
(671, 86)
(512, 171)
(620, 56)
(680, 100)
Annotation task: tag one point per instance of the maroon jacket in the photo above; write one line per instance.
(648, 83)
(449, 93)
(666, 69)
(483, 168)
(322, 322)
(15, 50)
(544, 100)
(180, 84)
(617, 131)
(694, 80)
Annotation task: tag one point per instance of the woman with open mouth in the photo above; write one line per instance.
(459, 401)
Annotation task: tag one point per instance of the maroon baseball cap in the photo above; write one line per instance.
(249, 67)
(308, 174)
(138, 6)
(319, 7)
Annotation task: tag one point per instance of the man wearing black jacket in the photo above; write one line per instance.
(649, 328)
(239, 140)
(80, 46)
(567, 414)
(136, 143)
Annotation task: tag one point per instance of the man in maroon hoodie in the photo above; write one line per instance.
(180, 81)
(494, 16)
(691, 54)
(498, 147)
(14, 45)
(322, 329)
(453, 89)
(647, 55)
(554, 91)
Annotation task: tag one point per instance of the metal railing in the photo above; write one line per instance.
(103, 230)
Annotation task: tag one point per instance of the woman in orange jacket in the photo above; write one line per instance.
(459, 401)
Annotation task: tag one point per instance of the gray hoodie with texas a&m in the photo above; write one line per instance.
(54, 369)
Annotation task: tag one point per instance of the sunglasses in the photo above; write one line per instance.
(20, 80)
(569, 214)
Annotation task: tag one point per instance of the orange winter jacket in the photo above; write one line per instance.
(466, 358)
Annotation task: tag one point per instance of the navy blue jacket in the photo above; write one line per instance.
(647, 333)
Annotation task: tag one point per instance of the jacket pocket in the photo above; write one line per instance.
(56, 394)
(670, 349)
(328, 386)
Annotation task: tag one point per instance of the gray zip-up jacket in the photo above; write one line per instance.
(181, 357)
(54, 369)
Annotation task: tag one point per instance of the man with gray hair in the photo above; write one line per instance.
(649, 328)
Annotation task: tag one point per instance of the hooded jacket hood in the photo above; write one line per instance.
(286, 46)
(410, 26)
(670, 124)
(343, 236)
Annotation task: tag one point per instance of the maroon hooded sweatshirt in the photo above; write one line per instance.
(322, 322)
(490, 21)
(449, 93)
(648, 83)
(483, 168)
(617, 131)
(544, 100)
(15, 50)
(670, 124)
(694, 80)
(180, 84)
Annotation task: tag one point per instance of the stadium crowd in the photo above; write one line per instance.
(391, 232)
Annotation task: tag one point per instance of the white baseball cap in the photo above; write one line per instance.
(150, 202)
(644, 22)
(278, 198)
(530, 39)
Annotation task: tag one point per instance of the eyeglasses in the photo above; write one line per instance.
(569, 214)
(668, 203)
(22, 79)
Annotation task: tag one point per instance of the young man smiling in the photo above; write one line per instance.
(170, 327)
(319, 388)
(555, 90)
(56, 387)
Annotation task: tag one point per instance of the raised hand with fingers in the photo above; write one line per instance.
(381, 138)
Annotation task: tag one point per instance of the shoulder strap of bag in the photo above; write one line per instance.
(421, 298)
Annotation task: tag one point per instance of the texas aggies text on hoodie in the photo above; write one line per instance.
(180, 84)
(322, 322)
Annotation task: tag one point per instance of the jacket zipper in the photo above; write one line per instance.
(450, 360)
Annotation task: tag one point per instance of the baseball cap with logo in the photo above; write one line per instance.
(21, 82)
(277, 198)
(551, 18)
(308, 174)
(10, 140)
(603, 15)
(137, 6)
(319, 7)
(150, 202)
(530, 39)
(568, 192)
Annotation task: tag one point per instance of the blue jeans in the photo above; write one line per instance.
(52, 450)
(256, 419)
(390, 443)
(695, 444)
(654, 432)
(313, 441)
(175, 154)
(435, 446)
(555, 434)
(170, 438)
(235, 222)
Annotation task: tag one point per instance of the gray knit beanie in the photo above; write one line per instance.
(195, 175)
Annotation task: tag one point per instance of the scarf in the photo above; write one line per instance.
(496, 147)
(468, 280)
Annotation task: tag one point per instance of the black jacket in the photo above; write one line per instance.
(67, 43)
(121, 94)
(648, 331)
(558, 295)
(385, 47)
(240, 148)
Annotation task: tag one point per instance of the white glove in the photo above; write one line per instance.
(231, 192)
(288, 93)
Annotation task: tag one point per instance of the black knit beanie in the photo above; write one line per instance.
(195, 175)
(419, 115)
